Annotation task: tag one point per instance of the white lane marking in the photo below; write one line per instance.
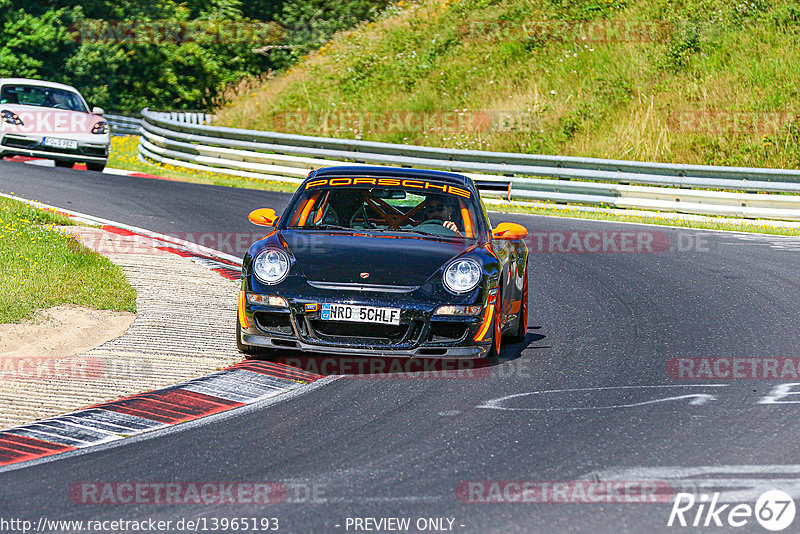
(779, 392)
(731, 481)
(699, 398)
(107, 170)
(791, 243)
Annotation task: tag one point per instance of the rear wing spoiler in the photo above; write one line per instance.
(491, 184)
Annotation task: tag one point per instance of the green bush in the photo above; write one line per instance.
(94, 46)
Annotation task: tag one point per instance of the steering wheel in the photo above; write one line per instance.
(436, 227)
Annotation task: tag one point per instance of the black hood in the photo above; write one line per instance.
(388, 258)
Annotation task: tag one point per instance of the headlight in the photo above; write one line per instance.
(271, 266)
(462, 276)
(100, 128)
(11, 118)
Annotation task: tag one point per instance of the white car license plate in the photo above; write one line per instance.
(360, 314)
(57, 142)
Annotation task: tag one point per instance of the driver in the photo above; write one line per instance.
(57, 100)
(440, 208)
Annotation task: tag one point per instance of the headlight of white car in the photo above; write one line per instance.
(11, 118)
(271, 266)
(100, 128)
(462, 276)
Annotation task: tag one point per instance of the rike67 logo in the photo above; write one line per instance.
(774, 510)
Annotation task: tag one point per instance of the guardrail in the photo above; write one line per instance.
(709, 190)
(122, 124)
(126, 125)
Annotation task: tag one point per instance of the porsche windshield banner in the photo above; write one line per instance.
(403, 183)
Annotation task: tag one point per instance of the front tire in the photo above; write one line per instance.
(494, 351)
(98, 167)
(249, 351)
(252, 352)
(522, 328)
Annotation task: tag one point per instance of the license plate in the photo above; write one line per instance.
(57, 142)
(360, 314)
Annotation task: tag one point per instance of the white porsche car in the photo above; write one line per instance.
(52, 121)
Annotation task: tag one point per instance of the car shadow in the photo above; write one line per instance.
(367, 366)
(512, 351)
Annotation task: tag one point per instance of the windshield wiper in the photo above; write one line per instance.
(321, 227)
(418, 232)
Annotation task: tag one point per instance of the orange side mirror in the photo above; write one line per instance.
(509, 231)
(263, 217)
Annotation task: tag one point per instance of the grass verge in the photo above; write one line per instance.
(41, 267)
(692, 81)
(718, 223)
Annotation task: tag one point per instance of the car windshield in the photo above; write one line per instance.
(422, 207)
(47, 97)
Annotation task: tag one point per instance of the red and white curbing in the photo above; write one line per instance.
(236, 386)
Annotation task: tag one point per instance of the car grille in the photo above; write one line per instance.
(446, 331)
(97, 151)
(364, 334)
(16, 142)
(273, 322)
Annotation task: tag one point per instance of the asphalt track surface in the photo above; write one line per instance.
(606, 324)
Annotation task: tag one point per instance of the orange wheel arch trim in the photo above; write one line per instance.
(488, 317)
(498, 321)
(242, 315)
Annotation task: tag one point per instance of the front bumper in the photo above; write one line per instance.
(420, 333)
(92, 149)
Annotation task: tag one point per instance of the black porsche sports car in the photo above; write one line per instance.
(384, 261)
